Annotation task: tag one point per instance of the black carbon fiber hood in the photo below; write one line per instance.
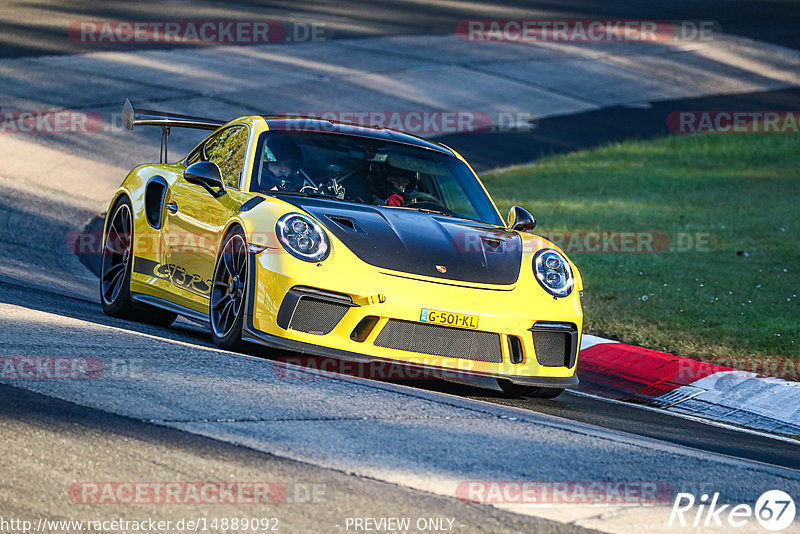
(416, 243)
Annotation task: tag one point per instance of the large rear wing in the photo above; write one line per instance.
(132, 117)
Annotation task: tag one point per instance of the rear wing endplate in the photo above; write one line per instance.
(132, 117)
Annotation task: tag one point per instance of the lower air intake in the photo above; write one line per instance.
(314, 316)
(552, 348)
(441, 341)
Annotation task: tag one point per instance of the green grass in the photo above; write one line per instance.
(732, 300)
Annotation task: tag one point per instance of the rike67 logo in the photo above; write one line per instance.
(774, 510)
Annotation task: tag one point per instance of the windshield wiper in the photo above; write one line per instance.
(427, 210)
(309, 194)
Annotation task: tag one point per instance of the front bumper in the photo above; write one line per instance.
(513, 315)
(277, 342)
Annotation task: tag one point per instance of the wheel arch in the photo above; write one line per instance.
(120, 193)
(229, 227)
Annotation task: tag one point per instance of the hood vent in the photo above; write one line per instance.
(346, 223)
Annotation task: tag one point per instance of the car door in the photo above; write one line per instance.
(197, 219)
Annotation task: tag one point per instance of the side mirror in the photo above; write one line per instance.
(207, 175)
(521, 219)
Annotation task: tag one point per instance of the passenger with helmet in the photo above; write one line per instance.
(282, 159)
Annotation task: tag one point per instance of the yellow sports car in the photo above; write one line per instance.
(335, 240)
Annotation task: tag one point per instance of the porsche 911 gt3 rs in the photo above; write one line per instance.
(343, 241)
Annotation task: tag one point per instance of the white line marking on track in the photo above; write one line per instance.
(688, 417)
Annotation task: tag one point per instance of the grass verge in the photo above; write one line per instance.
(709, 225)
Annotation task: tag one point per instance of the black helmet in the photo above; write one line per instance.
(281, 148)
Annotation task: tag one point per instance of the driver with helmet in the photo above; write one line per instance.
(395, 187)
(281, 163)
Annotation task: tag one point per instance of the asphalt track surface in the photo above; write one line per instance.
(316, 499)
(28, 252)
(23, 34)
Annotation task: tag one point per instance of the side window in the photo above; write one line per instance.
(227, 150)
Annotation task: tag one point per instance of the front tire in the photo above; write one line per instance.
(226, 306)
(116, 267)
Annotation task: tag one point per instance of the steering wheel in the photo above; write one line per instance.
(418, 197)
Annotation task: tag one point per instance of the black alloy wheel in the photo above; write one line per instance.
(226, 309)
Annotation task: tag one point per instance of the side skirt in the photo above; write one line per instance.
(141, 298)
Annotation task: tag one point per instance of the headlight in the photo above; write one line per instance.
(553, 272)
(302, 237)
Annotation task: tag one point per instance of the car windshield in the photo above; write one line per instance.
(369, 171)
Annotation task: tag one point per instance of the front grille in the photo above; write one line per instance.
(314, 316)
(552, 348)
(440, 341)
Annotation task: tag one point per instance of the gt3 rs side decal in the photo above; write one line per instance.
(175, 273)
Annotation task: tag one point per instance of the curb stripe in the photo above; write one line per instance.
(625, 372)
(590, 341)
(674, 383)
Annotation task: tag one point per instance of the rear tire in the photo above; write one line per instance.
(536, 392)
(228, 285)
(116, 267)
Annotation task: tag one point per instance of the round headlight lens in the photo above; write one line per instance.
(552, 263)
(299, 226)
(302, 237)
(553, 272)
